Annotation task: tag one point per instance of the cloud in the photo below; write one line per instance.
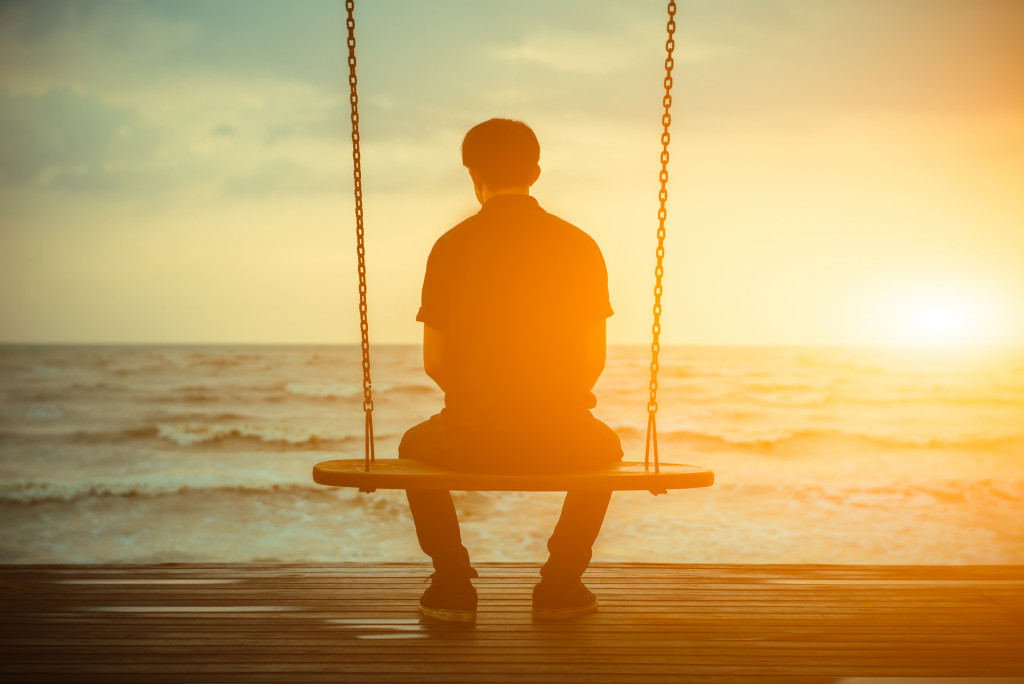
(62, 138)
(218, 92)
(569, 53)
(819, 59)
(284, 177)
(125, 44)
(329, 122)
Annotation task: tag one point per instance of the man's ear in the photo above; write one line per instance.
(478, 185)
(535, 175)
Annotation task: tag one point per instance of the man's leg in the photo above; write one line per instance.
(561, 594)
(450, 596)
(571, 544)
(433, 511)
(437, 528)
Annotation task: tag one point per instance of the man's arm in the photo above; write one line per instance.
(594, 352)
(433, 356)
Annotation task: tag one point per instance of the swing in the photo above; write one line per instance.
(368, 474)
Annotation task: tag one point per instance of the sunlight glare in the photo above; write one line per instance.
(939, 319)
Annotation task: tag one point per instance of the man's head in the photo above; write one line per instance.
(501, 154)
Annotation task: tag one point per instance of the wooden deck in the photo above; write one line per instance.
(658, 623)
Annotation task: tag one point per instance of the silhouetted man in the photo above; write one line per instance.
(514, 307)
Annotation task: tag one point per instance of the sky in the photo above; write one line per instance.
(848, 172)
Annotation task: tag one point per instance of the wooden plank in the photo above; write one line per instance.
(658, 623)
(396, 473)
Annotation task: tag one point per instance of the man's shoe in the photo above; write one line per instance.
(449, 599)
(562, 599)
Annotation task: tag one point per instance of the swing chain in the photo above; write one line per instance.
(659, 270)
(360, 247)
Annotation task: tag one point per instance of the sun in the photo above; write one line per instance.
(941, 318)
(944, 322)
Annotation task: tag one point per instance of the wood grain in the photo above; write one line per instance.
(658, 623)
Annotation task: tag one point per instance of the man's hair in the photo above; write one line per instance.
(502, 152)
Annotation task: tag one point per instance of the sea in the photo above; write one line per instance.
(150, 454)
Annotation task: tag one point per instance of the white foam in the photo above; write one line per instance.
(199, 433)
(323, 390)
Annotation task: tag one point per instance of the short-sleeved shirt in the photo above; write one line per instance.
(515, 290)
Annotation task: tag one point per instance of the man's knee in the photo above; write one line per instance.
(420, 441)
(607, 442)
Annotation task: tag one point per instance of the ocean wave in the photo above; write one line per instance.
(765, 439)
(901, 395)
(947, 491)
(224, 359)
(37, 491)
(333, 391)
(415, 390)
(91, 388)
(324, 391)
(141, 432)
(190, 434)
(250, 436)
(197, 417)
(790, 397)
(206, 394)
(44, 412)
(192, 396)
(212, 435)
(945, 488)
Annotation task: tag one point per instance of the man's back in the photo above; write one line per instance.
(515, 290)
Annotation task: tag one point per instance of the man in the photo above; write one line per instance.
(514, 307)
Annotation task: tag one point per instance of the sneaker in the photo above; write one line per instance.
(559, 600)
(449, 599)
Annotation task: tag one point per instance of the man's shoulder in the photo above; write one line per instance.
(571, 229)
(536, 225)
(453, 235)
(569, 235)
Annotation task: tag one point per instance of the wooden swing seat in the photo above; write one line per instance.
(393, 473)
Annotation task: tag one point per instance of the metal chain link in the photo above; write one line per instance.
(659, 270)
(360, 247)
